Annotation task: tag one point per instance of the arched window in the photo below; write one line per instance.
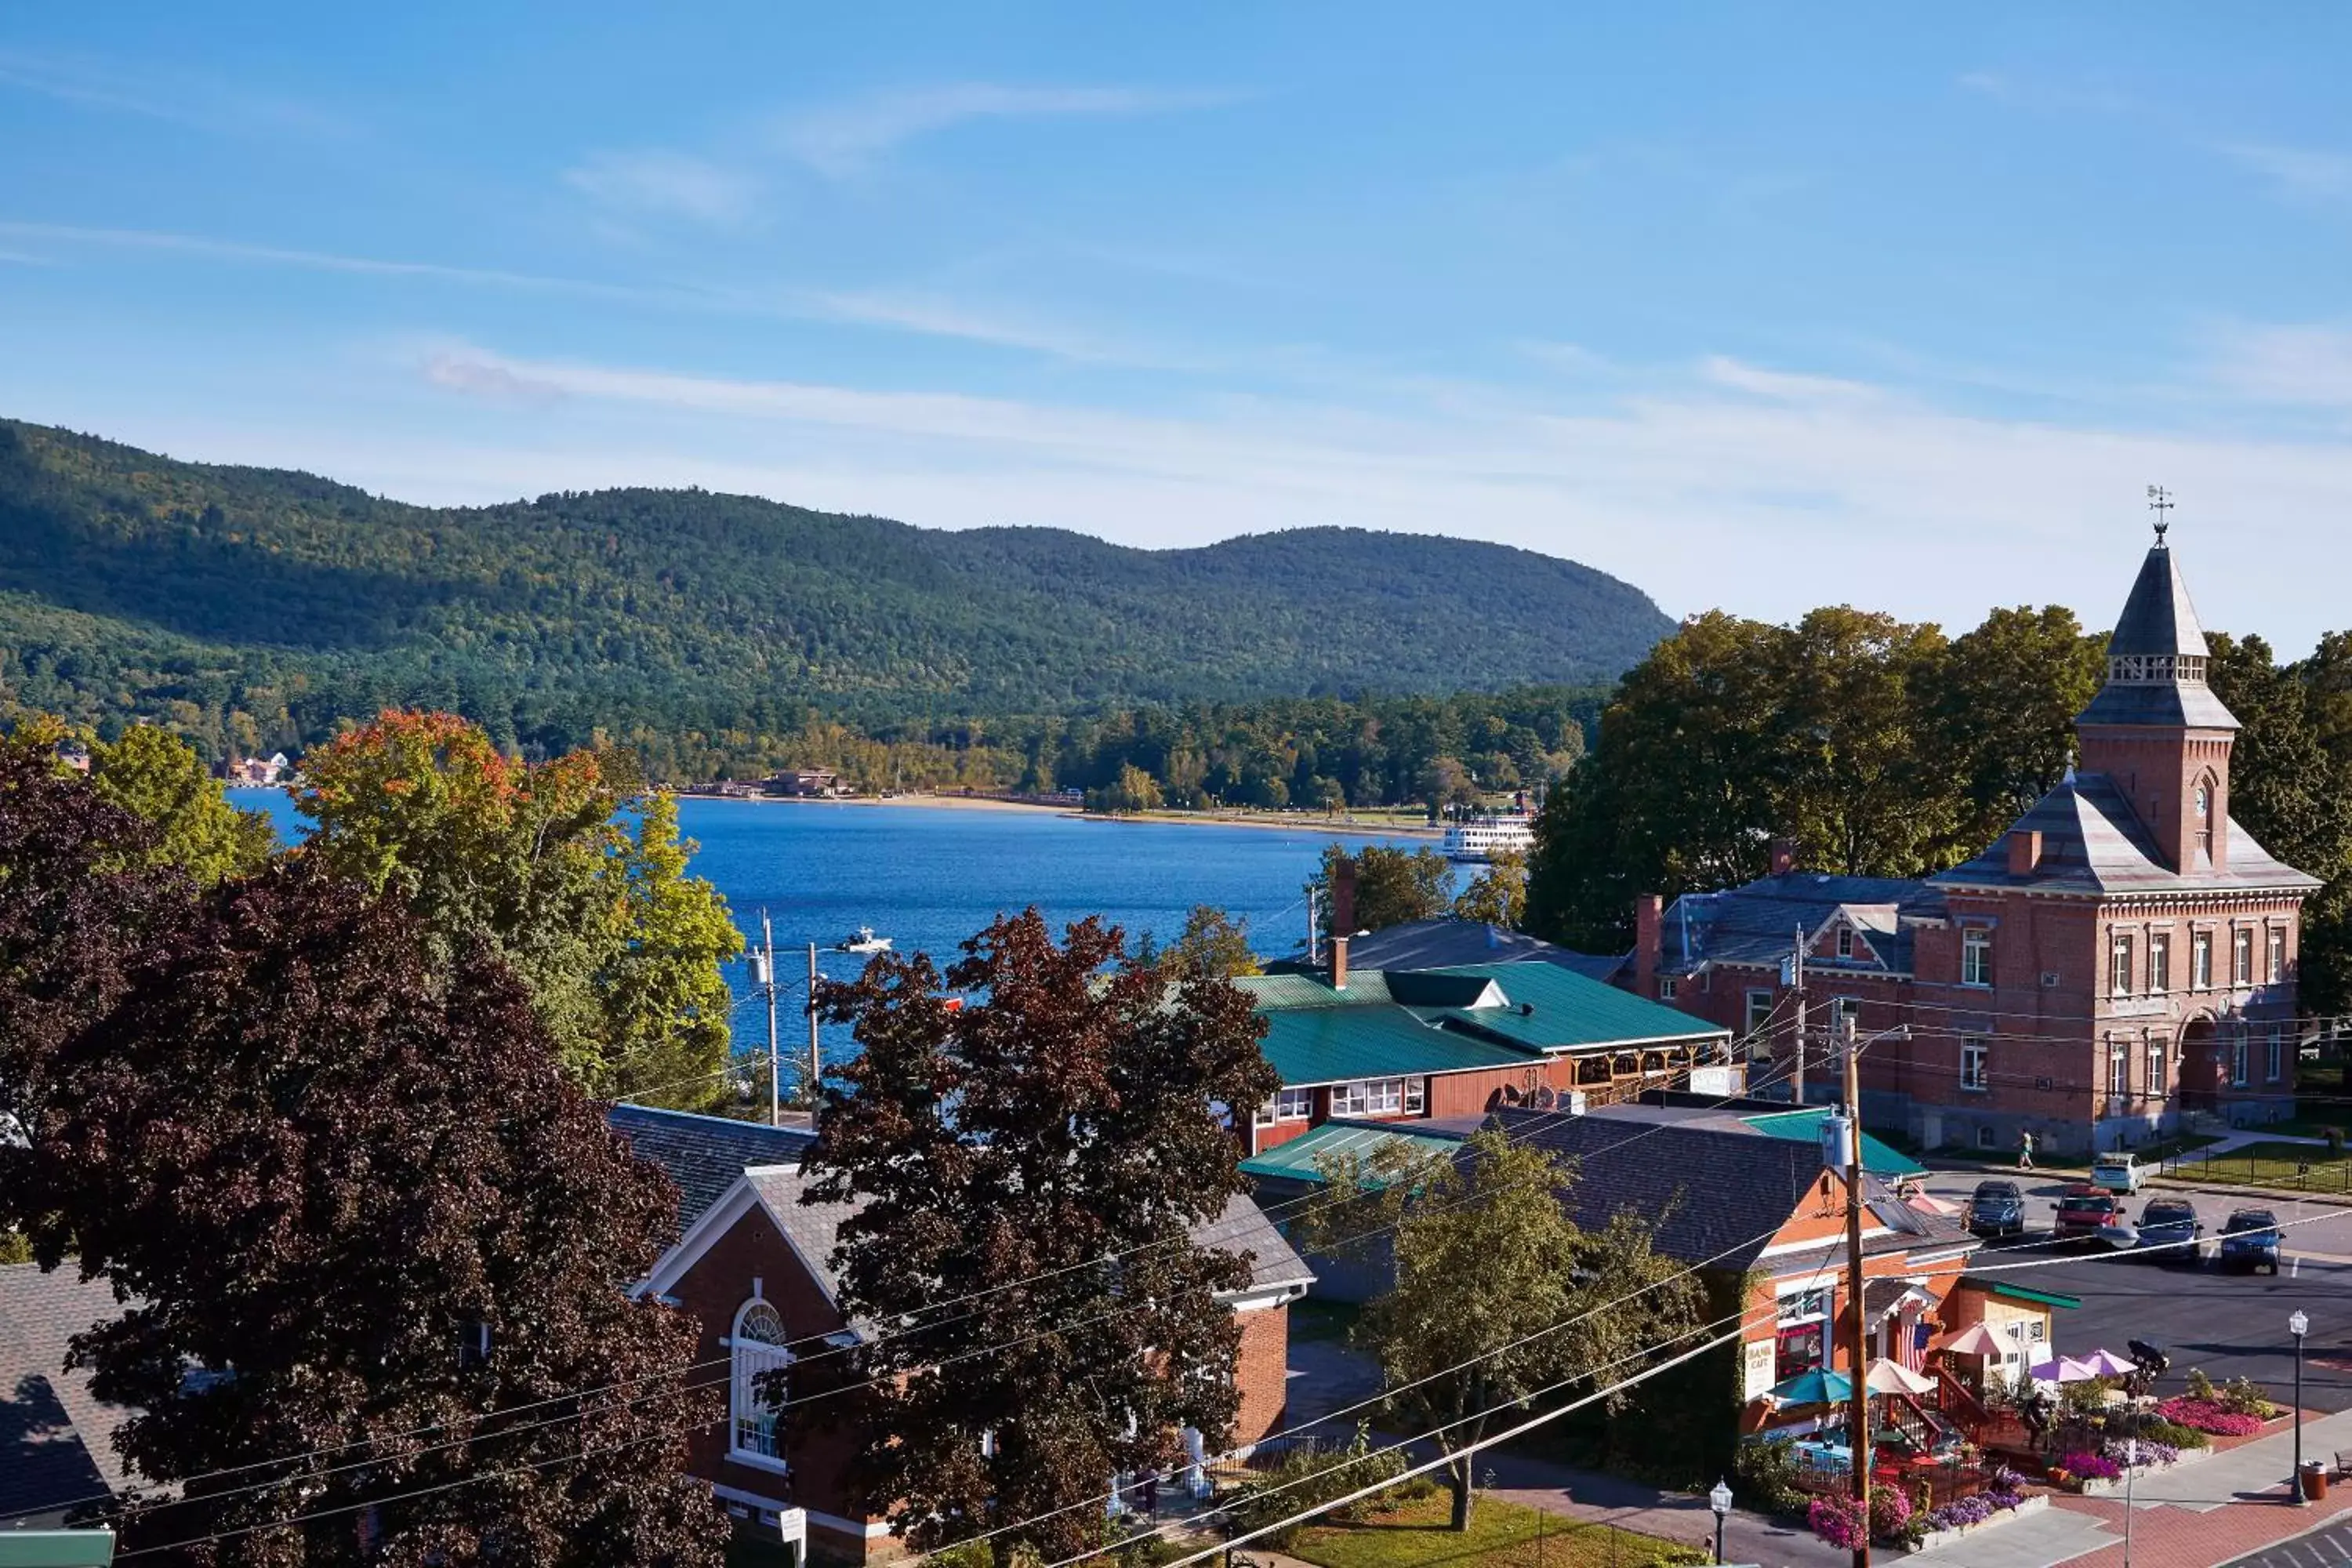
(757, 1347)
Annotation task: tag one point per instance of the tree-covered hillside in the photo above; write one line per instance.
(257, 608)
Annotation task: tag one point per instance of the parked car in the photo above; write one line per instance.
(2173, 1225)
(2118, 1172)
(1997, 1209)
(2092, 1214)
(2249, 1240)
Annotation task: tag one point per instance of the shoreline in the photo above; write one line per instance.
(1258, 821)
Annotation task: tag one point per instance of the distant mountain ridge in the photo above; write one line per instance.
(131, 582)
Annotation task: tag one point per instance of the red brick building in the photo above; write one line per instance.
(2124, 954)
(755, 1269)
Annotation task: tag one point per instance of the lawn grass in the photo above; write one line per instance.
(2291, 1167)
(1501, 1535)
(2179, 1144)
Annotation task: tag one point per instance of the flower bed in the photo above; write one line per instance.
(2070, 1469)
(1946, 1524)
(2209, 1417)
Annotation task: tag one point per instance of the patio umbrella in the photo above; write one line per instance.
(1886, 1376)
(2073, 1371)
(1976, 1339)
(2107, 1363)
(1927, 1202)
(1815, 1386)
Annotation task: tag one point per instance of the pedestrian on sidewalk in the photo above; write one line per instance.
(2024, 1151)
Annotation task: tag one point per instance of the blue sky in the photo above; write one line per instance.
(1756, 306)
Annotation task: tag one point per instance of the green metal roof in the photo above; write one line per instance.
(1335, 1045)
(1542, 1007)
(1805, 1127)
(1297, 1160)
(56, 1548)
(2022, 1292)
(1572, 1012)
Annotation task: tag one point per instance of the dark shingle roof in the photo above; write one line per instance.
(56, 1448)
(1711, 1194)
(814, 1229)
(2158, 617)
(1707, 1193)
(2093, 842)
(1757, 923)
(704, 1155)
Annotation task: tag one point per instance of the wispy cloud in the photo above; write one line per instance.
(935, 315)
(2298, 174)
(1701, 489)
(661, 184)
(2046, 95)
(166, 241)
(2307, 367)
(167, 93)
(847, 139)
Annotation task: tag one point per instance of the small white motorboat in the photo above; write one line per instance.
(863, 939)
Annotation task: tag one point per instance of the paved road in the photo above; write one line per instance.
(2226, 1324)
(2327, 1547)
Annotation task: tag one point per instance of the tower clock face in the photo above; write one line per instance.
(2204, 802)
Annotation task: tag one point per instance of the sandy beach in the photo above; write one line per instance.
(1302, 822)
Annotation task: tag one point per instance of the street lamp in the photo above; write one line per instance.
(1719, 1499)
(2298, 1325)
(2131, 1467)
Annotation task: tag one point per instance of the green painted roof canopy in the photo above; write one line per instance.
(1452, 1020)
(1297, 1160)
(1805, 1127)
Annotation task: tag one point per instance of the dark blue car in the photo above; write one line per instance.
(2169, 1230)
(1997, 1209)
(2251, 1240)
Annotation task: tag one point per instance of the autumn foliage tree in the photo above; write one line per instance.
(375, 1251)
(619, 947)
(1037, 1157)
(158, 777)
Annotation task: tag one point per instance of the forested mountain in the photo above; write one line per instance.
(255, 608)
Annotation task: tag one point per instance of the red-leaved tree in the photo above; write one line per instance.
(360, 1215)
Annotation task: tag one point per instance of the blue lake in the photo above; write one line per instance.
(928, 876)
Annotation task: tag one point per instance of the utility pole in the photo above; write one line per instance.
(764, 976)
(1797, 978)
(816, 1061)
(1858, 1407)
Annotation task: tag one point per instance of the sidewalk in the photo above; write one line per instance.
(2207, 1511)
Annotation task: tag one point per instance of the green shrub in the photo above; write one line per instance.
(2199, 1385)
(2244, 1398)
(1306, 1477)
(2171, 1434)
(1768, 1476)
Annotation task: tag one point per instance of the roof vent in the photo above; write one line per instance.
(1527, 1009)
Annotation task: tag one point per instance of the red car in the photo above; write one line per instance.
(2088, 1213)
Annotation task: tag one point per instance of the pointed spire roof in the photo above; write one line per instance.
(2156, 657)
(2158, 617)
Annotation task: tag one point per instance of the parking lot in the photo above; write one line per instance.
(2226, 1324)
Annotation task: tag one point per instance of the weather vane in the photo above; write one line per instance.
(2159, 502)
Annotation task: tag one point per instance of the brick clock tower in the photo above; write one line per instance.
(2126, 954)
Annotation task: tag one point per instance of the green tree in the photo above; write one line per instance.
(2001, 706)
(1498, 895)
(1857, 788)
(1039, 1155)
(1485, 1256)
(390, 1176)
(1213, 944)
(2295, 798)
(1445, 786)
(157, 776)
(1392, 885)
(618, 945)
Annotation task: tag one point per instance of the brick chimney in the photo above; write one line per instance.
(1647, 910)
(1343, 919)
(2024, 850)
(1784, 857)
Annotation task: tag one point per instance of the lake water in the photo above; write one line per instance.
(928, 876)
